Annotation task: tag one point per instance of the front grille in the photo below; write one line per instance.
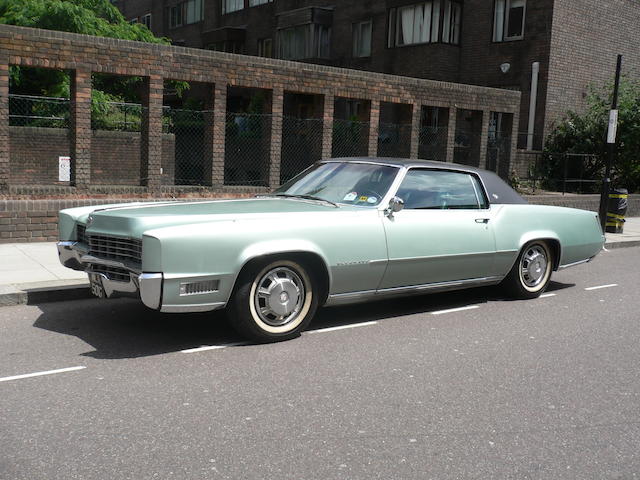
(81, 235)
(112, 273)
(113, 248)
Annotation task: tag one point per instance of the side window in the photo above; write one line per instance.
(424, 189)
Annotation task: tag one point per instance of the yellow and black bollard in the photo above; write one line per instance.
(616, 210)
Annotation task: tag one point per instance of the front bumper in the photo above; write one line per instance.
(147, 285)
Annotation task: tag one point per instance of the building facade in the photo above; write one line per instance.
(554, 49)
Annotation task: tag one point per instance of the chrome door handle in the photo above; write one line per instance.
(482, 220)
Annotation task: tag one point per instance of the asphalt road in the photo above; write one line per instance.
(546, 388)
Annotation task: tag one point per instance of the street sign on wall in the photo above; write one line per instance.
(64, 169)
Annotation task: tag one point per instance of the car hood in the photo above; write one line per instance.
(134, 219)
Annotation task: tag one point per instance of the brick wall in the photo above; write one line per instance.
(115, 156)
(36, 220)
(587, 35)
(584, 202)
(84, 55)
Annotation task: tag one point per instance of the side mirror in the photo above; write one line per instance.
(395, 205)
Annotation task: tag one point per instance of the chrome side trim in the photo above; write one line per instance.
(353, 297)
(580, 262)
(441, 285)
(197, 307)
(429, 257)
(151, 289)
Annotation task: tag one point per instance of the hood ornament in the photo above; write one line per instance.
(89, 220)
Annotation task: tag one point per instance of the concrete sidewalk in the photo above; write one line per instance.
(31, 272)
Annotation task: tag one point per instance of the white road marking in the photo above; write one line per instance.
(38, 374)
(204, 348)
(547, 295)
(451, 310)
(342, 327)
(602, 286)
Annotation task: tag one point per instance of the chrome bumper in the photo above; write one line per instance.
(149, 285)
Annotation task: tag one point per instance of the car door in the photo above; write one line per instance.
(443, 234)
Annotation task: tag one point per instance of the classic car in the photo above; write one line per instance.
(342, 231)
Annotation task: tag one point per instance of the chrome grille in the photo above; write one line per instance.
(81, 234)
(112, 273)
(114, 248)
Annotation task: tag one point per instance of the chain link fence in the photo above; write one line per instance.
(432, 143)
(116, 116)
(499, 154)
(45, 112)
(188, 146)
(394, 140)
(189, 130)
(350, 138)
(247, 149)
(301, 145)
(562, 172)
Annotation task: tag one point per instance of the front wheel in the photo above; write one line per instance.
(273, 301)
(531, 273)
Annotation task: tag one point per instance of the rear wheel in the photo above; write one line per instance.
(531, 273)
(273, 301)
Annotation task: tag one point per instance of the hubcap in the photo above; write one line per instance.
(279, 296)
(533, 266)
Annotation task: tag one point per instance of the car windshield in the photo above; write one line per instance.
(363, 184)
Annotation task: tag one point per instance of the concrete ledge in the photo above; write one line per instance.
(33, 295)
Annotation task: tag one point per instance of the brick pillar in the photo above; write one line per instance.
(374, 124)
(209, 136)
(277, 108)
(4, 125)
(151, 133)
(484, 138)
(80, 128)
(451, 133)
(327, 125)
(415, 130)
(219, 133)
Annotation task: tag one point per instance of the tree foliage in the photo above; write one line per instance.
(90, 17)
(587, 132)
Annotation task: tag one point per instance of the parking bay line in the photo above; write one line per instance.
(342, 327)
(452, 310)
(602, 286)
(38, 374)
(547, 295)
(204, 348)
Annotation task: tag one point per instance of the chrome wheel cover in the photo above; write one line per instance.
(279, 296)
(533, 266)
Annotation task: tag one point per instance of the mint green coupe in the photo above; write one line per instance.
(344, 230)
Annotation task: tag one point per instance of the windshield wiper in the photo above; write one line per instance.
(304, 197)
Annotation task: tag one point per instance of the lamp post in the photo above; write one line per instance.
(611, 147)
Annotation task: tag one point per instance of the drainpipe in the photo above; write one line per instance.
(535, 70)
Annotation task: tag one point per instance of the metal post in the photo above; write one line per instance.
(611, 147)
(564, 174)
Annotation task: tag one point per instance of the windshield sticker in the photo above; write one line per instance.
(350, 197)
(372, 200)
(363, 198)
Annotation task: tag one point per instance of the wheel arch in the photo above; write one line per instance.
(313, 260)
(546, 236)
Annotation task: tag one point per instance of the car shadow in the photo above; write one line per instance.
(124, 328)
